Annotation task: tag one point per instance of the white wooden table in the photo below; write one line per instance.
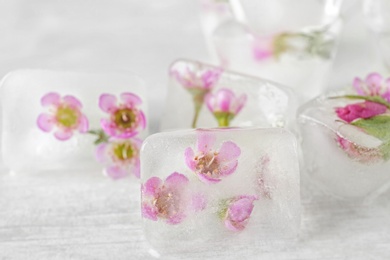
(83, 215)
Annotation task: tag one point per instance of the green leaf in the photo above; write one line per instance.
(379, 127)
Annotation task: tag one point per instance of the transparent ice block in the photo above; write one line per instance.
(267, 104)
(341, 158)
(212, 168)
(289, 42)
(25, 147)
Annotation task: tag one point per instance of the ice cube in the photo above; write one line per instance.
(201, 95)
(343, 158)
(295, 51)
(43, 123)
(218, 189)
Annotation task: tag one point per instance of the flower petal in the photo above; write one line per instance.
(131, 99)
(228, 151)
(101, 153)
(199, 202)
(206, 179)
(374, 81)
(83, 124)
(107, 103)
(51, 99)
(239, 104)
(224, 99)
(176, 180)
(210, 102)
(176, 219)
(149, 212)
(46, 122)
(229, 225)
(358, 85)
(63, 134)
(116, 172)
(141, 120)
(72, 101)
(205, 141)
(151, 186)
(228, 168)
(137, 168)
(189, 158)
(107, 127)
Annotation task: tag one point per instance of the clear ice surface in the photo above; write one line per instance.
(25, 147)
(267, 168)
(353, 172)
(268, 104)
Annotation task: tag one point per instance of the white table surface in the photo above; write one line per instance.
(83, 215)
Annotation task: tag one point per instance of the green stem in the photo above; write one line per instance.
(101, 136)
(198, 107)
(375, 99)
(223, 121)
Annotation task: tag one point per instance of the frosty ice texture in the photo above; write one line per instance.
(341, 158)
(289, 42)
(267, 104)
(185, 211)
(25, 147)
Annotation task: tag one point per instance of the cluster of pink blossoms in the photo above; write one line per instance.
(375, 91)
(224, 104)
(172, 200)
(119, 148)
(373, 87)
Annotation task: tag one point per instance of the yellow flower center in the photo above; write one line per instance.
(166, 203)
(124, 151)
(125, 118)
(208, 164)
(67, 116)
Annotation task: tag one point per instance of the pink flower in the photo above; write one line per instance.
(126, 119)
(237, 211)
(64, 114)
(225, 101)
(359, 153)
(374, 85)
(365, 109)
(225, 105)
(211, 165)
(121, 157)
(165, 199)
(263, 48)
(197, 79)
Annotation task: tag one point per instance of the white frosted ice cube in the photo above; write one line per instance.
(341, 158)
(192, 215)
(267, 104)
(25, 147)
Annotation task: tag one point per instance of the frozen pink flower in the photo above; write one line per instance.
(374, 85)
(126, 119)
(165, 199)
(365, 109)
(64, 115)
(212, 165)
(236, 212)
(121, 157)
(359, 153)
(225, 105)
(263, 48)
(197, 78)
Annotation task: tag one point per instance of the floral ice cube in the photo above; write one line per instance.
(346, 139)
(52, 119)
(218, 188)
(201, 95)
